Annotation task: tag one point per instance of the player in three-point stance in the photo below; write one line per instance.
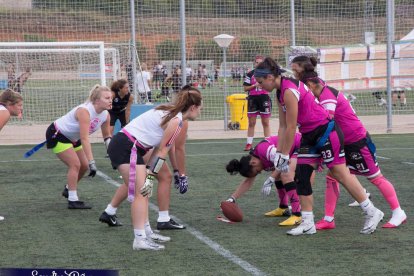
(11, 104)
(321, 138)
(156, 128)
(261, 158)
(359, 150)
(68, 137)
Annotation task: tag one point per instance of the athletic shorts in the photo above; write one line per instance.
(119, 151)
(121, 116)
(331, 153)
(361, 160)
(259, 105)
(59, 142)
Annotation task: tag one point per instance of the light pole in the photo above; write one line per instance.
(224, 41)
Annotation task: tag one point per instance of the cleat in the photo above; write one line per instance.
(355, 203)
(291, 221)
(111, 220)
(146, 244)
(396, 221)
(371, 222)
(159, 238)
(78, 205)
(1, 218)
(169, 225)
(325, 225)
(248, 147)
(279, 212)
(65, 192)
(303, 229)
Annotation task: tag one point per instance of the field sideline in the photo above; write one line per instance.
(40, 232)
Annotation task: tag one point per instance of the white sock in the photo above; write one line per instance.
(163, 216)
(140, 233)
(328, 218)
(307, 217)
(148, 230)
(396, 211)
(249, 140)
(110, 210)
(73, 196)
(367, 206)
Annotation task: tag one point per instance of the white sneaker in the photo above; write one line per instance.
(159, 238)
(371, 222)
(355, 203)
(303, 229)
(1, 218)
(146, 244)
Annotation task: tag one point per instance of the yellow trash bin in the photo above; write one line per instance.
(238, 111)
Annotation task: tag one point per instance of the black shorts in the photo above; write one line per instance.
(53, 137)
(259, 104)
(119, 151)
(121, 116)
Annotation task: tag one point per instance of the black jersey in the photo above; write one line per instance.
(119, 104)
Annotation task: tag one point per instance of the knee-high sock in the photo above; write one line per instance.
(331, 196)
(283, 200)
(293, 197)
(387, 190)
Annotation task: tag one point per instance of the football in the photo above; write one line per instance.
(231, 211)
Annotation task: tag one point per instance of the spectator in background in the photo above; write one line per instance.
(398, 95)
(14, 83)
(204, 75)
(130, 76)
(189, 74)
(157, 74)
(144, 83)
(258, 103)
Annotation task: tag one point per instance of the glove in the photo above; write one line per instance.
(183, 184)
(281, 162)
(92, 168)
(176, 179)
(146, 190)
(267, 186)
(231, 199)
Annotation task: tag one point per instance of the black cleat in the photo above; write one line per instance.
(169, 225)
(78, 205)
(110, 220)
(65, 192)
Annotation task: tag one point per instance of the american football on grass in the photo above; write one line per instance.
(231, 211)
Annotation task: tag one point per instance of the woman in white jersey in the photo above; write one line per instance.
(157, 128)
(11, 104)
(68, 137)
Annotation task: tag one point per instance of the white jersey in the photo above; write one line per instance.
(142, 81)
(69, 126)
(146, 128)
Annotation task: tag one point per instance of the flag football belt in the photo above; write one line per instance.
(324, 138)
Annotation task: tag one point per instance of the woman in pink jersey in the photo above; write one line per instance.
(155, 129)
(259, 159)
(258, 103)
(321, 138)
(359, 151)
(11, 104)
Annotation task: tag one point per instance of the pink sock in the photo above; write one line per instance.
(387, 190)
(331, 196)
(283, 200)
(293, 197)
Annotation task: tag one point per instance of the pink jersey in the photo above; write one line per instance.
(310, 114)
(340, 108)
(251, 80)
(263, 149)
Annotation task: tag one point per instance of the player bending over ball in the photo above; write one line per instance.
(321, 138)
(261, 158)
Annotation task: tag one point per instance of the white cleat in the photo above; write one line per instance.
(355, 203)
(396, 220)
(371, 222)
(146, 244)
(159, 238)
(1, 218)
(303, 229)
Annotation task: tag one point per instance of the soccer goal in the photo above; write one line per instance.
(53, 77)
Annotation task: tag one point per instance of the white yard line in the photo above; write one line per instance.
(210, 243)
